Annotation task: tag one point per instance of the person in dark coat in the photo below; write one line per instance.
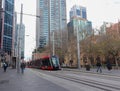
(98, 64)
(71, 62)
(5, 65)
(87, 66)
(108, 64)
(22, 65)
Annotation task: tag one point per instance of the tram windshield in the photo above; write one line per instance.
(55, 61)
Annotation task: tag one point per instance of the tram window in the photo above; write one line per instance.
(46, 62)
(55, 61)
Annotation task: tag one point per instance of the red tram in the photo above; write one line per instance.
(45, 63)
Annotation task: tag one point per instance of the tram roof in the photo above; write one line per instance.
(45, 57)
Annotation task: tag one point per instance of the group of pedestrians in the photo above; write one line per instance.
(22, 66)
(99, 64)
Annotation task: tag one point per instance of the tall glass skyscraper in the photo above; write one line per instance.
(0, 21)
(78, 11)
(7, 26)
(52, 18)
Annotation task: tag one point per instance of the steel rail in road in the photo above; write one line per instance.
(91, 83)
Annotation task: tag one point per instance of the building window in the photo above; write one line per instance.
(78, 12)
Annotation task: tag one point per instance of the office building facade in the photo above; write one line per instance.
(7, 26)
(1, 20)
(83, 26)
(52, 18)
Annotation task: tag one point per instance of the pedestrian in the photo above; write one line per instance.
(5, 65)
(98, 64)
(22, 65)
(108, 64)
(87, 66)
(71, 62)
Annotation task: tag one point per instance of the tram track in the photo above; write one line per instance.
(91, 83)
(88, 82)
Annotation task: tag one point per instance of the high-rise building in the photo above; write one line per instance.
(78, 21)
(78, 11)
(84, 28)
(1, 12)
(0, 4)
(103, 27)
(7, 26)
(52, 18)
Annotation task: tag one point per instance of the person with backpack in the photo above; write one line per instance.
(108, 63)
(22, 66)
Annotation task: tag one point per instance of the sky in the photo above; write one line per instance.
(98, 11)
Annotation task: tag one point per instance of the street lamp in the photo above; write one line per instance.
(78, 45)
(19, 40)
(53, 45)
(62, 37)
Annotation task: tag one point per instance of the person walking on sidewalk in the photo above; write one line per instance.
(22, 66)
(98, 64)
(108, 63)
(5, 65)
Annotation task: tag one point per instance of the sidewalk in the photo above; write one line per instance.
(113, 72)
(13, 81)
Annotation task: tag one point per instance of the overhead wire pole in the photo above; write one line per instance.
(53, 45)
(78, 47)
(29, 14)
(19, 40)
(49, 11)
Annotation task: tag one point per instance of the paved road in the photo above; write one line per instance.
(82, 81)
(38, 80)
(12, 81)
